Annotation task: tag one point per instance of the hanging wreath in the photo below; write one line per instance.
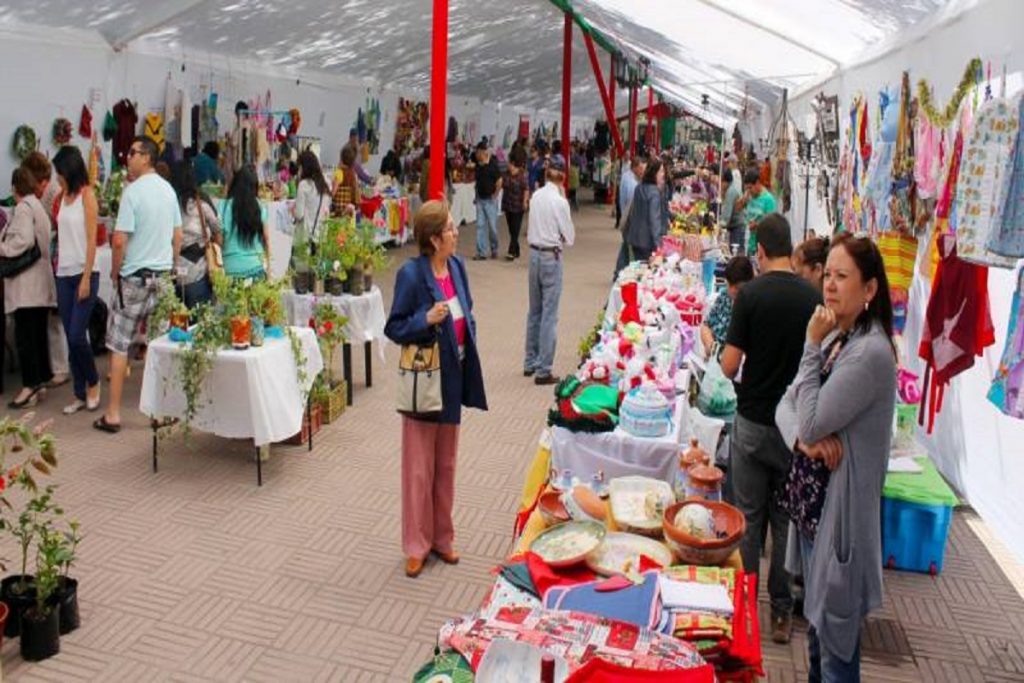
(62, 130)
(25, 142)
(944, 118)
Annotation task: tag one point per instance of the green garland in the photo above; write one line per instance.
(944, 118)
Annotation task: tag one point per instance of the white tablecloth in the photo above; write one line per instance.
(279, 218)
(463, 208)
(365, 313)
(619, 453)
(247, 394)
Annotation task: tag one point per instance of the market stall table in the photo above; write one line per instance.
(366, 318)
(463, 205)
(280, 224)
(252, 394)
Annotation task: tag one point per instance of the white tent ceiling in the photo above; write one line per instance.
(733, 51)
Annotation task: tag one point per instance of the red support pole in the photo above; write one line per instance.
(438, 100)
(632, 120)
(609, 109)
(649, 132)
(566, 90)
(613, 120)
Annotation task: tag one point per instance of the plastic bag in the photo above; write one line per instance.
(717, 394)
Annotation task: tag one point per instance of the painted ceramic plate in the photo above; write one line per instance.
(568, 544)
(619, 553)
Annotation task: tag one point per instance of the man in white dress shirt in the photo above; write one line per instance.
(549, 233)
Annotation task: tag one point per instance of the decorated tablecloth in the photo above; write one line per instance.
(365, 313)
(255, 393)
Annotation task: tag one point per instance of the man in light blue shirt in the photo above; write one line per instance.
(145, 246)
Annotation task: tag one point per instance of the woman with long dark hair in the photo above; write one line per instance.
(244, 220)
(313, 197)
(78, 277)
(197, 230)
(647, 220)
(837, 414)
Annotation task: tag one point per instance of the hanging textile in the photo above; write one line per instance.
(958, 326)
(878, 184)
(903, 199)
(927, 160)
(944, 205)
(127, 118)
(899, 251)
(1007, 236)
(979, 201)
(1005, 392)
(154, 130)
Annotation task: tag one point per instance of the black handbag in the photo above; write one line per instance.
(10, 266)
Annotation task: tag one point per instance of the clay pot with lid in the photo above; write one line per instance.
(693, 456)
(705, 481)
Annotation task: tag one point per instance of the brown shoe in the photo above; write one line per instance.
(413, 567)
(451, 557)
(782, 629)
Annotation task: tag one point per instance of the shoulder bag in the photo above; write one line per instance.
(214, 256)
(12, 266)
(419, 379)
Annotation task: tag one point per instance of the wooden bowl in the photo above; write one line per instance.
(551, 509)
(730, 525)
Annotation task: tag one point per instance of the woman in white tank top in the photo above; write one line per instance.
(77, 275)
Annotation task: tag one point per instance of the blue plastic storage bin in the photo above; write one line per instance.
(914, 535)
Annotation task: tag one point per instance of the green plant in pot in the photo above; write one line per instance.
(40, 624)
(329, 326)
(375, 260)
(334, 253)
(66, 594)
(265, 306)
(210, 334)
(302, 266)
(233, 299)
(20, 591)
(169, 312)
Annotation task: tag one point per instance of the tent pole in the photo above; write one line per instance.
(566, 90)
(438, 95)
(613, 122)
(650, 118)
(632, 119)
(609, 108)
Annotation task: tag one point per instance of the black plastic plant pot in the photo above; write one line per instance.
(335, 287)
(66, 597)
(40, 634)
(17, 602)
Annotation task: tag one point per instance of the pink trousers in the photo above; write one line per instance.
(428, 486)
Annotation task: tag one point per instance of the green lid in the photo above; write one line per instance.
(925, 488)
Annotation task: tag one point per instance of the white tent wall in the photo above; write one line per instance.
(55, 71)
(974, 445)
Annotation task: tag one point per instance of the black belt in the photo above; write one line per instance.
(146, 273)
(554, 250)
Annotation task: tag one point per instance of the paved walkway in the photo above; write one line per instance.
(195, 574)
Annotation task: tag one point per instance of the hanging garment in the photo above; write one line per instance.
(195, 118)
(1007, 236)
(899, 251)
(958, 326)
(878, 182)
(987, 153)
(85, 123)
(127, 119)
(154, 130)
(927, 145)
(903, 199)
(944, 206)
(1008, 382)
(185, 119)
(172, 101)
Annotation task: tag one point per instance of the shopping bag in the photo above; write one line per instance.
(717, 394)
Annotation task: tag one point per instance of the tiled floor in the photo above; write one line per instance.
(195, 574)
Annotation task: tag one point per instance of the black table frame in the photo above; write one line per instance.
(346, 363)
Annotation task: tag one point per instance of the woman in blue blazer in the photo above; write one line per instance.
(432, 299)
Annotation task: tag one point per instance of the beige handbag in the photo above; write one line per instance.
(419, 380)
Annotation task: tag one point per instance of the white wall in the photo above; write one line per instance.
(975, 446)
(49, 73)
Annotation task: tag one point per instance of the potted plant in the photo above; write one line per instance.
(40, 455)
(376, 259)
(232, 298)
(329, 326)
(21, 591)
(301, 266)
(40, 623)
(265, 303)
(169, 312)
(334, 253)
(66, 594)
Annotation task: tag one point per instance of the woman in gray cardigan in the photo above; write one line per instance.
(647, 221)
(30, 294)
(837, 413)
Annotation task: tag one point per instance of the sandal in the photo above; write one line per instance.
(104, 426)
(73, 407)
(27, 402)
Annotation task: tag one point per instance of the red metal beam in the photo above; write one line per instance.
(649, 131)
(566, 90)
(609, 110)
(438, 96)
(633, 97)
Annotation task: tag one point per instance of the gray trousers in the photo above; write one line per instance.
(759, 465)
(545, 278)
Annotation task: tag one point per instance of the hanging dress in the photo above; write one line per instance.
(1007, 236)
(1005, 392)
(154, 130)
(979, 199)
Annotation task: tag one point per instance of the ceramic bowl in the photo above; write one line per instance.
(551, 509)
(568, 544)
(730, 525)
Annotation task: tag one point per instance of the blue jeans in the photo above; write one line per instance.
(545, 278)
(486, 227)
(197, 292)
(825, 667)
(75, 315)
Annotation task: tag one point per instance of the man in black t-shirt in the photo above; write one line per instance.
(766, 334)
(488, 185)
